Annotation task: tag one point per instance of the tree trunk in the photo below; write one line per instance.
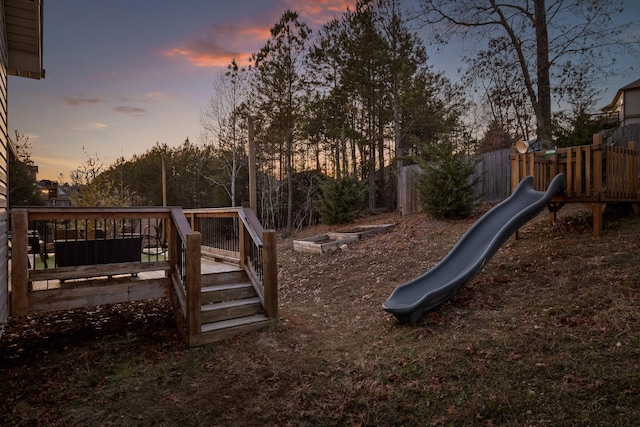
(543, 110)
(289, 181)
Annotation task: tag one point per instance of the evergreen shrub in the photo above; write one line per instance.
(446, 189)
(341, 200)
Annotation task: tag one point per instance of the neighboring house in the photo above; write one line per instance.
(20, 55)
(55, 194)
(625, 105)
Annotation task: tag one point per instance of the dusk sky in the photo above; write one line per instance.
(122, 75)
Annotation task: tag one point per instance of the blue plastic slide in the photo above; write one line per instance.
(408, 301)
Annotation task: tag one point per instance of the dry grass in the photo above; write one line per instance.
(548, 334)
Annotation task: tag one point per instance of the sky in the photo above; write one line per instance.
(123, 75)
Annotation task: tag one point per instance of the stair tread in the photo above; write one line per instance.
(230, 304)
(228, 286)
(241, 321)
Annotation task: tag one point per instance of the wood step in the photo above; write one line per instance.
(234, 323)
(224, 277)
(231, 309)
(227, 292)
(218, 331)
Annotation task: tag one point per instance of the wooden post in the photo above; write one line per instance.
(597, 218)
(597, 164)
(515, 169)
(192, 218)
(633, 146)
(242, 240)
(253, 192)
(172, 245)
(193, 283)
(164, 184)
(515, 176)
(19, 263)
(270, 272)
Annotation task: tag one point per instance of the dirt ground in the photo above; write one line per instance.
(548, 334)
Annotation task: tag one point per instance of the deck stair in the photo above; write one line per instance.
(230, 306)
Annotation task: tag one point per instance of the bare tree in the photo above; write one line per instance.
(223, 127)
(542, 39)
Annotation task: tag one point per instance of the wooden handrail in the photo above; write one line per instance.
(182, 225)
(252, 224)
(594, 171)
(255, 255)
(81, 213)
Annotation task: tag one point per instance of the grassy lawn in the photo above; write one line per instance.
(548, 334)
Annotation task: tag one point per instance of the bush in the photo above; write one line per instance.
(446, 190)
(341, 200)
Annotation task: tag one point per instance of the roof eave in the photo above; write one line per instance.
(23, 20)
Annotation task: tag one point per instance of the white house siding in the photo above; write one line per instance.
(631, 106)
(4, 271)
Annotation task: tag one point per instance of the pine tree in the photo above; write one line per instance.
(341, 200)
(446, 190)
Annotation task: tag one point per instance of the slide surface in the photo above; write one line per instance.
(476, 247)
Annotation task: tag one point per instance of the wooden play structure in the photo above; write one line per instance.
(597, 175)
(217, 266)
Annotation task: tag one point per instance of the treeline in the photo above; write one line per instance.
(192, 174)
(349, 103)
(353, 101)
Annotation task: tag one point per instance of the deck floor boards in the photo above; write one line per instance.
(208, 266)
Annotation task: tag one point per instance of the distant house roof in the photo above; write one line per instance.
(23, 20)
(634, 85)
(612, 106)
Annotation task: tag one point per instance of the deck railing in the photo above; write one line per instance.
(235, 235)
(65, 258)
(594, 172)
(52, 245)
(186, 279)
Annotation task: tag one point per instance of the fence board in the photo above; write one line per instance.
(409, 199)
(492, 171)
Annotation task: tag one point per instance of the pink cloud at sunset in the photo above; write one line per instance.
(76, 102)
(221, 43)
(318, 12)
(240, 39)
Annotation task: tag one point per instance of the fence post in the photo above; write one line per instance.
(193, 283)
(270, 272)
(19, 263)
(597, 164)
(515, 169)
(633, 146)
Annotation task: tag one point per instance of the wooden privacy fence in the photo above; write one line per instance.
(492, 171)
(597, 174)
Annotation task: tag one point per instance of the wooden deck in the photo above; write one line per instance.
(597, 174)
(193, 262)
(208, 266)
